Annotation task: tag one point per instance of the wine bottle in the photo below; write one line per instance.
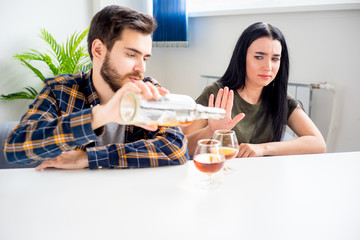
(169, 110)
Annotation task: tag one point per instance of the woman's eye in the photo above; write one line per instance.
(276, 59)
(130, 55)
(258, 57)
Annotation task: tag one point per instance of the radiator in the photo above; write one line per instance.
(303, 93)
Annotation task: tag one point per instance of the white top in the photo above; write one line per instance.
(288, 197)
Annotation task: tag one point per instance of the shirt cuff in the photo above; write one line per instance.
(98, 157)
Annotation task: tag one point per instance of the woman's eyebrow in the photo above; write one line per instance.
(263, 53)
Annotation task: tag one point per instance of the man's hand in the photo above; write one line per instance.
(224, 99)
(110, 112)
(73, 159)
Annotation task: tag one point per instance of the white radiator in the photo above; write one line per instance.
(303, 93)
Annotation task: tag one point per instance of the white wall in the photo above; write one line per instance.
(20, 24)
(324, 46)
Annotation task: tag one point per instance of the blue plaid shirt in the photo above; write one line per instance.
(59, 120)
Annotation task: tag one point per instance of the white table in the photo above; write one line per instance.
(290, 197)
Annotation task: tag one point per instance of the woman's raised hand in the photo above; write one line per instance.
(225, 100)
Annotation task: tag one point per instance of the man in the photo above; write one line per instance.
(74, 123)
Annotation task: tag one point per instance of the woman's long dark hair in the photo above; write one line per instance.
(273, 96)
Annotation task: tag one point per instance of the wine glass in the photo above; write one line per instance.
(208, 159)
(229, 146)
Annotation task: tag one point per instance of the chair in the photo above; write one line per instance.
(5, 130)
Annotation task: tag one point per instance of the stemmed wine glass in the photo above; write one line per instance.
(229, 145)
(208, 159)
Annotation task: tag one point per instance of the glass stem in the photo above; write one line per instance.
(210, 179)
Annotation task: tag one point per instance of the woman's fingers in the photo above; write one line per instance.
(224, 100)
(237, 118)
(230, 101)
(211, 100)
(219, 98)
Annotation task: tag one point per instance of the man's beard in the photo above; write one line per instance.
(112, 77)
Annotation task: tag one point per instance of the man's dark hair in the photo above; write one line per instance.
(108, 25)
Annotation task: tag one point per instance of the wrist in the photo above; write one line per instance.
(266, 149)
(208, 131)
(97, 117)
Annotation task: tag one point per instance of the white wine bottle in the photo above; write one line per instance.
(169, 110)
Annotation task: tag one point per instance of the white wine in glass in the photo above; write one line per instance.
(229, 145)
(208, 159)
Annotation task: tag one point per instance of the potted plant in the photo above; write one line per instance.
(62, 58)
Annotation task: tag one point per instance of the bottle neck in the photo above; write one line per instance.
(170, 101)
(209, 112)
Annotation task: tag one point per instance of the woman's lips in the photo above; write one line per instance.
(265, 76)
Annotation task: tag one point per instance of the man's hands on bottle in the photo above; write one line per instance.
(110, 112)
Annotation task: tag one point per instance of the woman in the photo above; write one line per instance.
(253, 91)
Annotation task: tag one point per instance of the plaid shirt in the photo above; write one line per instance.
(59, 120)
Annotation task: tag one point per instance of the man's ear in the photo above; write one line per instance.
(98, 49)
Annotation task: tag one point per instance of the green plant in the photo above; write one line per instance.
(62, 58)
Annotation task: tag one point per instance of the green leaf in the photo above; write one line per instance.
(55, 47)
(31, 56)
(68, 57)
(48, 61)
(30, 94)
(86, 67)
(78, 38)
(32, 91)
(32, 68)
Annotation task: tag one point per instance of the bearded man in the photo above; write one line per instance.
(75, 123)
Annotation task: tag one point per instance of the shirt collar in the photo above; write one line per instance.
(91, 94)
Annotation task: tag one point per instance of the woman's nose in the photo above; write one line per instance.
(268, 65)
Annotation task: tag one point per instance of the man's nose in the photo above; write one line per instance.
(140, 66)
